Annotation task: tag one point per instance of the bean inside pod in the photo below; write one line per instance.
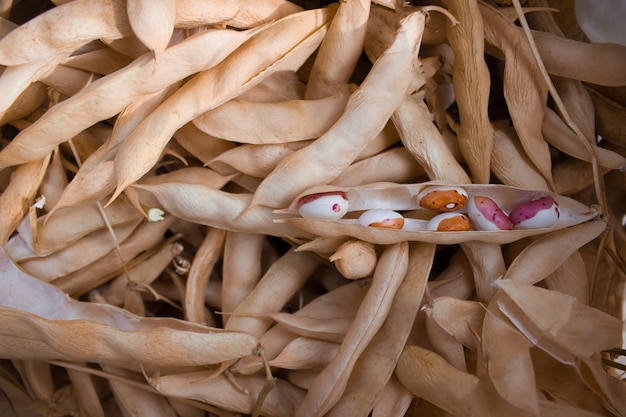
(331, 205)
(442, 198)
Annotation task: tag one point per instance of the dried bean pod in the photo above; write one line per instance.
(403, 197)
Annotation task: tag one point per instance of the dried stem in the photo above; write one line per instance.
(270, 383)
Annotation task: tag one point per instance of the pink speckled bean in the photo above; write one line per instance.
(542, 212)
(485, 214)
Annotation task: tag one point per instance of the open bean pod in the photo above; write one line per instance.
(546, 211)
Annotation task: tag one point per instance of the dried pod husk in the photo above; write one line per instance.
(610, 117)
(570, 332)
(254, 160)
(430, 377)
(302, 378)
(16, 79)
(604, 62)
(145, 272)
(219, 391)
(79, 254)
(269, 123)
(102, 61)
(191, 14)
(63, 29)
(367, 111)
(205, 205)
(37, 376)
(339, 53)
(355, 259)
(207, 255)
(445, 345)
(86, 391)
(487, 264)
(507, 356)
(189, 175)
(323, 245)
(116, 91)
(509, 162)
(393, 165)
(423, 140)
(375, 365)
(462, 319)
(241, 268)
(272, 293)
(283, 85)
(327, 389)
(133, 400)
(254, 14)
(395, 400)
(152, 22)
(554, 250)
(471, 82)
(343, 301)
(329, 328)
(130, 46)
(145, 237)
(559, 135)
(573, 175)
(26, 103)
(54, 182)
(457, 280)
(571, 278)
(52, 233)
(21, 191)
(45, 330)
(306, 353)
(403, 197)
(299, 35)
(525, 91)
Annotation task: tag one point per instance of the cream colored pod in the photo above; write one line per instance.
(473, 212)
(355, 259)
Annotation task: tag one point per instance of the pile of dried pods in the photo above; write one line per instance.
(231, 207)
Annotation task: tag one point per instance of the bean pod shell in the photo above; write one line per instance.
(403, 198)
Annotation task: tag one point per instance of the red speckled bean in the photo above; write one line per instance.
(487, 215)
(542, 212)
